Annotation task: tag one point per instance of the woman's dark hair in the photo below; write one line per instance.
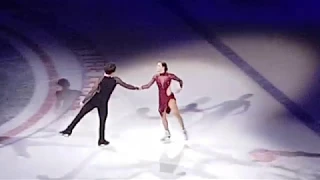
(110, 68)
(165, 65)
(63, 83)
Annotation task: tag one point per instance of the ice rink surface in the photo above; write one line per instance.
(237, 129)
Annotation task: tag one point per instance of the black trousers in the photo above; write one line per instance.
(103, 114)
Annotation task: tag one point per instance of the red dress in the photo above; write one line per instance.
(163, 81)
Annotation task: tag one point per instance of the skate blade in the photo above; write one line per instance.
(166, 141)
(65, 135)
(104, 145)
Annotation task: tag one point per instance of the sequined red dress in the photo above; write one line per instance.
(163, 81)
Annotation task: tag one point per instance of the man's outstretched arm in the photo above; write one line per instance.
(125, 85)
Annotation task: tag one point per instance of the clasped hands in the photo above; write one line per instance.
(177, 91)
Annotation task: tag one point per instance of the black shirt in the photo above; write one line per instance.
(107, 86)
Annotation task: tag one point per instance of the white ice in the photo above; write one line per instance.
(220, 139)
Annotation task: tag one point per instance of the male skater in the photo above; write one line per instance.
(98, 98)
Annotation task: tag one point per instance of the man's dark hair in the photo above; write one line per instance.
(110, 68)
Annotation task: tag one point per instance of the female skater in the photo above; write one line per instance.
(167, 100)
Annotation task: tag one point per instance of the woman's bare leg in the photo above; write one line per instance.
(175, 110)
(165, 121)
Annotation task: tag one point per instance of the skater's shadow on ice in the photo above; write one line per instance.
(269, 156)
(166, 166)
(216, 155)
(226, 108)
(65, 97)
(221, 110)
(189, 108)
(265, 155)
(169, 165)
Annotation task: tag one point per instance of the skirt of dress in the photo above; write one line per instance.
(164, 103)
